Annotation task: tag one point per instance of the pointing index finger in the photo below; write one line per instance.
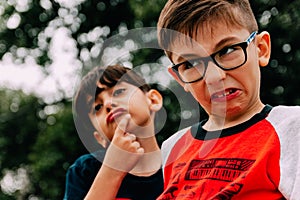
(121, 128)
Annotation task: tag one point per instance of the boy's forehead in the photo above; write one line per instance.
(207, 39)
(102, 87)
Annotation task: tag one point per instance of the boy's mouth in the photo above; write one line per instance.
(115, 114)
(224, 95)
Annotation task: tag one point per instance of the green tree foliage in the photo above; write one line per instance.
(280, 78)
(38, 141)
(17, 124)
(39, 138)
(56, 147)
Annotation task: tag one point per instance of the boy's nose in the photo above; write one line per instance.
(109, 105)
(214, 74)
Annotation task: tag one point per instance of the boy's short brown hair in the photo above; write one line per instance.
(186, 16)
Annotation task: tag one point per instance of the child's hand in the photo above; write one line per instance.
(124, 151)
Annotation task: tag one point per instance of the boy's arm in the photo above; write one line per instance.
(286, 121)
(121, 156)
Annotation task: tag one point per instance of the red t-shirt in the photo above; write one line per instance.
(242, 162)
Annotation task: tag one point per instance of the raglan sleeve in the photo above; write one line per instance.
(286, 121)
(168, 145)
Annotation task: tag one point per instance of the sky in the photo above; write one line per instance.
(65, 71)
(30, 77)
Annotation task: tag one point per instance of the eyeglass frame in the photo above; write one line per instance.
(211, 57)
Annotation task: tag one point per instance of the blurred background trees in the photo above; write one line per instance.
(38, 139)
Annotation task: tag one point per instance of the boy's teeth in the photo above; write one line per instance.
(228, 92)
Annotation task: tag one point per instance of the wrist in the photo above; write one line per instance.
(112, 173)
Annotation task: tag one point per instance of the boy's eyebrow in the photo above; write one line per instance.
(187, 57)
(216, 48)
(224, 42)
(98, 91)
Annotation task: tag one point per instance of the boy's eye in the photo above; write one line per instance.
(226, 51)
(193, 63)
(117, 92)
(98, 107)
(189, 64)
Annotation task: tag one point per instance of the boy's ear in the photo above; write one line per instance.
(175, 76)
(264, 48)
(155, 100)
(100, 139)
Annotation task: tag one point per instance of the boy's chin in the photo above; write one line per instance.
(142, 131)
(219, 109)
(142, 128)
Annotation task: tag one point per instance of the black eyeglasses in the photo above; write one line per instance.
(228, 58)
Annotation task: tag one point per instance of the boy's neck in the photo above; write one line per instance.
(148, 164)
(149, 144)
(146, 137)
(217, 123)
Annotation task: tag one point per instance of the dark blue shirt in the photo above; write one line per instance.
(82, 173)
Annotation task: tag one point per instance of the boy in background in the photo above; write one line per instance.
(118, 104)
(246, 149)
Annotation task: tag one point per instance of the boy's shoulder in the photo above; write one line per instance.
(88, 160)
(175, 137)
(283, 113)
(293, 109)
(169, 143)
(286, 122)
(80, 175)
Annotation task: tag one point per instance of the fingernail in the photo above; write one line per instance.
(128, 115)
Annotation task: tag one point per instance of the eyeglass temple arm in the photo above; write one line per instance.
(251, 37)
(170, 70)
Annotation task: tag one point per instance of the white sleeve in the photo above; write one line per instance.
(168, 144)
(286, 121)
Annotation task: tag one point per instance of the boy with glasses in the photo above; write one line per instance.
(245, 149)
